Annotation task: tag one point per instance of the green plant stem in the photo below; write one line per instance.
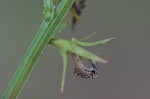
(35, 49)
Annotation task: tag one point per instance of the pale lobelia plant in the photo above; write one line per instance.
(74, 48)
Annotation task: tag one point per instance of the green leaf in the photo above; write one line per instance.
(92, 43)
(64, 56)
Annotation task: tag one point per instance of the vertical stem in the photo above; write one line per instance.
(39, 42)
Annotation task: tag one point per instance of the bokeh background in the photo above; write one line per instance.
(126, 76)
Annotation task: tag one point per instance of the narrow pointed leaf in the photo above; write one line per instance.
(92, 43)
(64, 56)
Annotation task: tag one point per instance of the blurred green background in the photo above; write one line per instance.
(127, 76)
